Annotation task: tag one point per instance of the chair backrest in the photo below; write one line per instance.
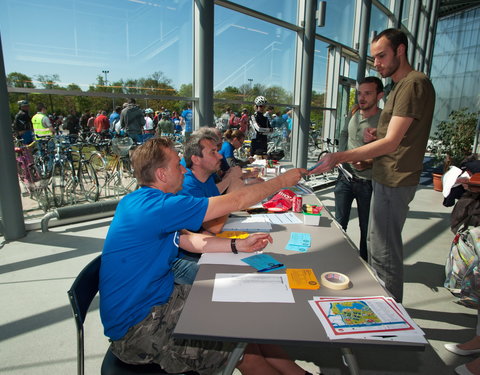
(81, 294)
(84, 289)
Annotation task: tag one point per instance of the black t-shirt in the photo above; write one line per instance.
(22, 122)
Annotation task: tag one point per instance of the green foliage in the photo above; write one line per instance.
(454, 137)
(16, 79)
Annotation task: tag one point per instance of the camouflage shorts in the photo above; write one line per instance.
(151, 341)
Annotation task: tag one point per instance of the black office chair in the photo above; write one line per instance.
(81, 294)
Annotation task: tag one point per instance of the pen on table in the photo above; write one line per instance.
(271, 268)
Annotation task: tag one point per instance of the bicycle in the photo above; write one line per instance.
(62, 177)
(117, 170)
(330, 147)
(85, 176)
(30, 177)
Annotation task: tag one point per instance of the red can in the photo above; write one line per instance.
(297, 203)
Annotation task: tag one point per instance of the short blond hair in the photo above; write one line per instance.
(148, 157)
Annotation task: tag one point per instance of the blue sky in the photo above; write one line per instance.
(78, 39)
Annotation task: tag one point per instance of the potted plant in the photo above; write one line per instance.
(453, 140)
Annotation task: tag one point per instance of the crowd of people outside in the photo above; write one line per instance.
(129, 119)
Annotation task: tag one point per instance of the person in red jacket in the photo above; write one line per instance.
(101, 122)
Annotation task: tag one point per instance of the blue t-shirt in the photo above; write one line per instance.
(187, 114)
(192, 186)
(114, 116)
(227, 152)
(141, 245)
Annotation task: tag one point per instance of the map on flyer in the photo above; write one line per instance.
(352, 313)
(367, 315)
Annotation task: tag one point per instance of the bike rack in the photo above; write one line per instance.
(106, 208)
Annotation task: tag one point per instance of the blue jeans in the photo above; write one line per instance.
(345, 192)
(185, 267)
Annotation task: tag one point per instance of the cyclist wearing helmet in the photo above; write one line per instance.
(261, 127)
(22, 125)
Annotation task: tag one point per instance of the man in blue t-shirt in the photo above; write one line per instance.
(139, 302)
(202, 161)
(186, 118)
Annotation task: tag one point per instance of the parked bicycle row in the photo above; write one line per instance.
(55, 172)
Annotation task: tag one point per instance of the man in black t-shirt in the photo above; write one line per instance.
(22, 124)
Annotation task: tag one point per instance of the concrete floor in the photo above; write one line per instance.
(37, 334)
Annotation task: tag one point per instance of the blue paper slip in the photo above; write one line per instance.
(263, 263)
(291, 247)
(304, 239)
(315, 166)
(299, 242)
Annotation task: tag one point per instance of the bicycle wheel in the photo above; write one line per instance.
(62, 183)
(41, 195)
(322, 154)
(311, 144)
(57, 182)
(127, 180)
(98, 162)
(88, 181)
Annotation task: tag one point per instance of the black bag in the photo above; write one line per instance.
(276, 155)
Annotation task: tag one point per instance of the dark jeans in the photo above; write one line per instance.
(345, 192)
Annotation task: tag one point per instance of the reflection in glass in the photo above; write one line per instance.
(378, 23)
(340, 15)
(285, 10)
(251, 58)
(319, 75)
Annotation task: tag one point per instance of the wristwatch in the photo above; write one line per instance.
(233, 246)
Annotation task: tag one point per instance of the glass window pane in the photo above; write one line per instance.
(406, 13)
(319, 74)
(251, 58)
(143, 45)
(339, 20)
(285, 10)
(378, 23)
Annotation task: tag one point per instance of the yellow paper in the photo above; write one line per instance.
(302, 278)
(233, 234)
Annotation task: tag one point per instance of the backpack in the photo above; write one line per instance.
(462, 267)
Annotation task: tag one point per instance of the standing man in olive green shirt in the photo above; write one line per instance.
(358, 185)
(401, 139)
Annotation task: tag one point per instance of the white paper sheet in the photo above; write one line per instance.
(285, 218)
(248, 287)
(224, 258)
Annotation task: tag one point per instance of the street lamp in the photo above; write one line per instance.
(106, 84)
(251, 82)
(106, 72)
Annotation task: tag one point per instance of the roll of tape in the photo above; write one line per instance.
(335, 280)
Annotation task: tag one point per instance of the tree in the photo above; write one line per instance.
(49, 81)
(16, 79)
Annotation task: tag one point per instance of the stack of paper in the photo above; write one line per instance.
(299, 242)
(374, 318)
(254, 223)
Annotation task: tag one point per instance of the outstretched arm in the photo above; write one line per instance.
(397, 128)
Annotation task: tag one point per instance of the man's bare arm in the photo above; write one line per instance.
(396, 131)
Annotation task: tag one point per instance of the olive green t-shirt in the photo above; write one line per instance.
(414, 97)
